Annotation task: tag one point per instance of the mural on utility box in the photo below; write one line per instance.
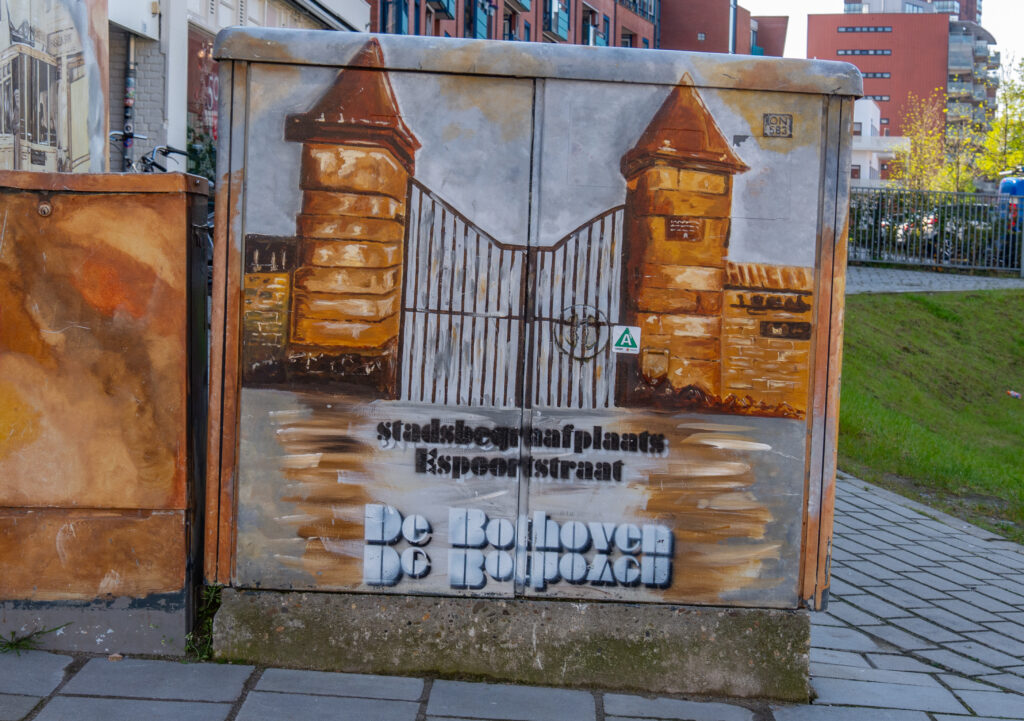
(647, 392)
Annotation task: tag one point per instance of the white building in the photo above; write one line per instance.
(176, 87)
(872, 151)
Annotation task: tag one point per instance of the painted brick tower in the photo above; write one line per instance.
(357, 157)
(678, 204)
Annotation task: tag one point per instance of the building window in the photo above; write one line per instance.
(865, 29)
(882, 98)
(863, 51)
(526, 31)
(701, 37)
(607, 29)
(876, 75)
(628, 39)
(647, 43)
(912, 9)
(855, 172)
(857, 128)
(884, 121)
(885, 166)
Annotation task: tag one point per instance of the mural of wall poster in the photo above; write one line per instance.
(53, 85)
(545, 336)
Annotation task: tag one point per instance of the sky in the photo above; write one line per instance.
(1003, 18)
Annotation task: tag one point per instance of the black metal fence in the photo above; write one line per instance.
(953, 230)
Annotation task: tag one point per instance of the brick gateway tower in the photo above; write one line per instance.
(678, 204)
(357, 157)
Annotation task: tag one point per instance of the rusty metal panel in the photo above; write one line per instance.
(62, 554)
(535, 335)
(98, 390)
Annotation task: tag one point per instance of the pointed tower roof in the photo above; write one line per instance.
(684, 134)
(360, 108)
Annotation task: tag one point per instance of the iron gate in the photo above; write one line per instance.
(470, 333)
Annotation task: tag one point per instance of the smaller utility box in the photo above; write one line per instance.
(506, 325)
(103, 282)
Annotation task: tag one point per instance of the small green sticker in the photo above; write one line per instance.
(627, 339)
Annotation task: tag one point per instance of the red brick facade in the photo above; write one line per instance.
(912, 49)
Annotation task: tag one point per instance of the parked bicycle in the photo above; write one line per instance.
(148, 163)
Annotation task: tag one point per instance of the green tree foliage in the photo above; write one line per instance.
(1003, 147)
(920, 166)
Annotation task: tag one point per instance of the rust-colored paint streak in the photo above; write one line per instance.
(50, 555)
(19, 422)
(105, 182)
(93, 332)
(818, 503)
(215, 419)
(112, 286)
(720, 527)
(831, 433)
(320, 460)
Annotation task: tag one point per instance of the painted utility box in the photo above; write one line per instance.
(506, 324)
(102, 407)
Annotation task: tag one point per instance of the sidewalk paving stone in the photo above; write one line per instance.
(962, 684)
(841, 639)
(853, 616)
(324, 683)
(956, 662)
(876, 606)
(982, 601)
(1001, 594)
(926, 629)
(844, 713)
(33, 673)
(499, 701)
(885, 695)
(843, 658)
(873, 570)
(853, 673)
(900, 597)
(999, 641)
(966, 610)
(994, 703)
(143, 678)
(272, 706)
(948, 619)
(982, 653)
(896, 662)
(933, 581)
(898, 637)
(65, 708)
(1009, 681)
(667, 708)
(14, 707)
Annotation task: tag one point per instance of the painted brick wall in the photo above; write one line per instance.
(149, 92)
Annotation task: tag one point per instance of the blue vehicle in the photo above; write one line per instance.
(1011, 203)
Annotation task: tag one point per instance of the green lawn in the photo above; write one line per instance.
(924, 407)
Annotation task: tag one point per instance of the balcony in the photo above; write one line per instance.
(644, 8)
(556, 20)
(995, 60)
(960, 57)
(856, 8)
(956, 90)
(958, 111)
(981, 50)
(980, 92)
(592, 36)
(520, 6)
(444, 9)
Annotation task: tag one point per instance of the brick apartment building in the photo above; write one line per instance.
(703, 26)
(918, 52)
(617, 23)
(699, 25)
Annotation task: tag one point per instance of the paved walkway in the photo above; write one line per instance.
(926, 624)
(865, 279)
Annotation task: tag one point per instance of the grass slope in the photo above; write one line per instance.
(924, 408)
